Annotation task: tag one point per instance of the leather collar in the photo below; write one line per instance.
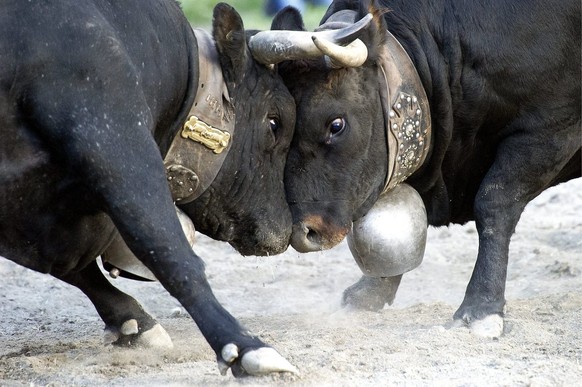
(199, 148)
(406, 114)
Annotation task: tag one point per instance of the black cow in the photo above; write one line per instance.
(502, 79)
(92, 93)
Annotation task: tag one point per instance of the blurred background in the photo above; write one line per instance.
(253, 12)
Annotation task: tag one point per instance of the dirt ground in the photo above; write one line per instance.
(51, 335)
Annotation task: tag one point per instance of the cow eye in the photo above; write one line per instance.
(274, 124)
(337, 125)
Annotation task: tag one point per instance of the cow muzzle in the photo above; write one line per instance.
(314, 234)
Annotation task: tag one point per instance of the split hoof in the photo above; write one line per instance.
(260, 361)
(489, 327)
(265, 361)
(157, 337)
(110, 336)
(128, 334)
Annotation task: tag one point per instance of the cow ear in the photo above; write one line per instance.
(288, 19)
(229, 34)
(375, 34)
(353, 5)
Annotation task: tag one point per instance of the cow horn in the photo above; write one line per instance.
(271, 47)
(352, 55)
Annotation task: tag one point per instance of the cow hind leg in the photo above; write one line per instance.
(126, 323)
(524, 167)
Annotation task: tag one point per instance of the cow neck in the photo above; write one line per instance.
(406, 113)
(200, 146)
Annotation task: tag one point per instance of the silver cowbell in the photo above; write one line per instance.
(390, 239)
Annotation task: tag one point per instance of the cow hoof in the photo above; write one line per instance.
(371, 293)
(157, 337)
(128, 335)
(264, 361)
(261, 361)
(489, 327)
(114, 335)
(110, 336)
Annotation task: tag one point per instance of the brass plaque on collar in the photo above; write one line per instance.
(199, 131)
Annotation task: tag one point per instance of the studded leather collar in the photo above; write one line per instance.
(406, 114)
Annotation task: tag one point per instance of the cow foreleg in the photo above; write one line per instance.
(371, 293)
(524, 166)
(126, 323)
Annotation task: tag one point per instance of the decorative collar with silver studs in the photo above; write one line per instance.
(406, 114)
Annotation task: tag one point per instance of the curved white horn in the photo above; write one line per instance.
(352, 55)
(271, 47)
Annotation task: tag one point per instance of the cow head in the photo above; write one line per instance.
(245, 205)
(337, 163)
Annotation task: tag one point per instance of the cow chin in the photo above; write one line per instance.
(260, 231)
(267, 244)
(261, 237)
(251, 239)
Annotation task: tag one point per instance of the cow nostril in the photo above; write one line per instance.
(305, 239)
(313, 236)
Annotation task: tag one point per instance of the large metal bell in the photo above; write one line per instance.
(120, 261)
(390, 239)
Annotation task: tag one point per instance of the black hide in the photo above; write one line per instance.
(503, 82)
(89, 90)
